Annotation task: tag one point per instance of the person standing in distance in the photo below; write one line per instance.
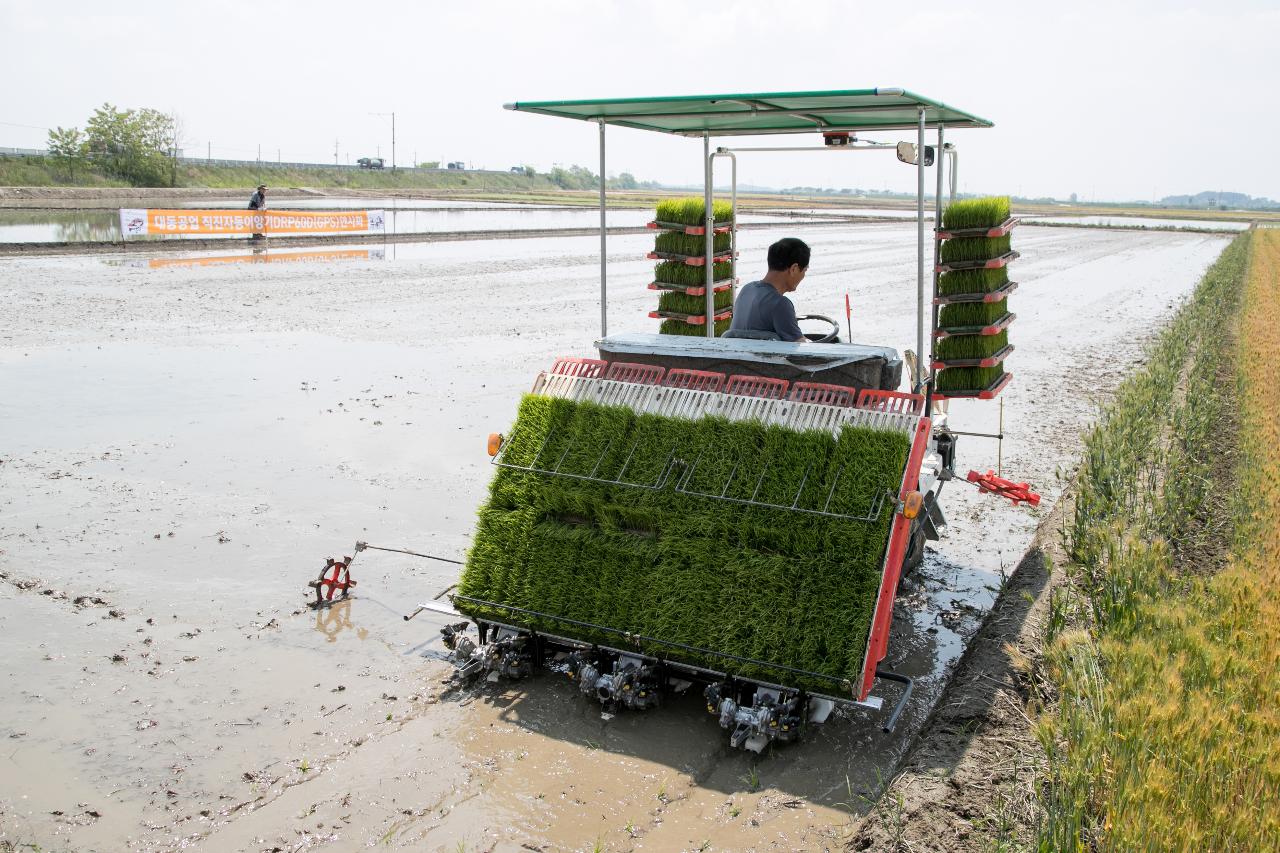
(762, 306)
(258, 201)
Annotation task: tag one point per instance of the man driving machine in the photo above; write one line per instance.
(762, 310)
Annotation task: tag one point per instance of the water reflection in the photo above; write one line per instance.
(336, 618)
(259, 256)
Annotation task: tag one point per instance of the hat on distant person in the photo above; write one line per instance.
(262, 186)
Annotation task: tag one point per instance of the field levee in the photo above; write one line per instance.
(1130, 693)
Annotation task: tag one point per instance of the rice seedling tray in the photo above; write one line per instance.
(691, 260)
(989, 264)
(989, 361)
(994, 329)
(694, 289)
(991, 296)
(679, 327)
(691, 230)
(588, 535)
(976, 393)
(691, 319)
(1000, 230)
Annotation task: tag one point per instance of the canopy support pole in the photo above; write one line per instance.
(709, 223)
(733, 207)
(939, 161)
(604, 297)
(920, 354)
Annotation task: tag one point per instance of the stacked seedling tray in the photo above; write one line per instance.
(681, 275)
(971, 341)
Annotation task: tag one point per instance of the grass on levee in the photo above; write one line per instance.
(1166, 657)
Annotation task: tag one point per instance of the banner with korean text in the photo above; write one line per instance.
(138, 223)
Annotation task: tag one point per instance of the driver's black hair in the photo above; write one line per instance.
(788, 251)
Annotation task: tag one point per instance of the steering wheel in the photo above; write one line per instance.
(818, 337)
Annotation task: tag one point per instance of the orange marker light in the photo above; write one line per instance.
(912, 505)
(495, 443)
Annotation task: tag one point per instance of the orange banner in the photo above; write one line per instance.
(319, 257)
(135, 223)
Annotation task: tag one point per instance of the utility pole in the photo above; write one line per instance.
(259, 153)
(208, 152)
(335, 152)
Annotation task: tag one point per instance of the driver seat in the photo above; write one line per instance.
(751, 334)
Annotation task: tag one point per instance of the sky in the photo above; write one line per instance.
(1115, 101)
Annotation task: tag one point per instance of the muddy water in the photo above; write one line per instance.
(182, 446)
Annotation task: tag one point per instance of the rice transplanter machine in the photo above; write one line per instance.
(820, 387)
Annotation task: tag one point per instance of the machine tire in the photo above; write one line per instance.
(915, 550)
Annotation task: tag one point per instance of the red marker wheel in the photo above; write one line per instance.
(334, 578)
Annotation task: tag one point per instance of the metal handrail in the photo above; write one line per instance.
(671, 464)
(873, 514)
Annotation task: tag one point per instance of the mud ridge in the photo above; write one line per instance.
(968, 782)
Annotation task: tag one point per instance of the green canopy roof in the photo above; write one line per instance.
(763, 113)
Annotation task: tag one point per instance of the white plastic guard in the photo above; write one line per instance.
(683, 403)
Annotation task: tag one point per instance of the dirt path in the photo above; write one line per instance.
(182, 446)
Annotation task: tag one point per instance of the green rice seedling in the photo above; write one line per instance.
(680, 303)
(970, 346)
(976, 213)
(680, 327)
(768, 584)
(972, 281)
(973, 249)
(968, 378)
(688, 244)
(676, 272)
(965, 314)
(692, 211)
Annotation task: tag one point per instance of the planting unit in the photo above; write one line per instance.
(731, 512)
(649, 528)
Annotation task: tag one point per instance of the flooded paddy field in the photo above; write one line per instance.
(183, 444)
(423, 216)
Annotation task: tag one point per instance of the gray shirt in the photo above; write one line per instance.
(761, 308)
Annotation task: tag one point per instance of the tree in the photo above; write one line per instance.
(136, 145)
(430, 164)
(66, 147)
(573, 178)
